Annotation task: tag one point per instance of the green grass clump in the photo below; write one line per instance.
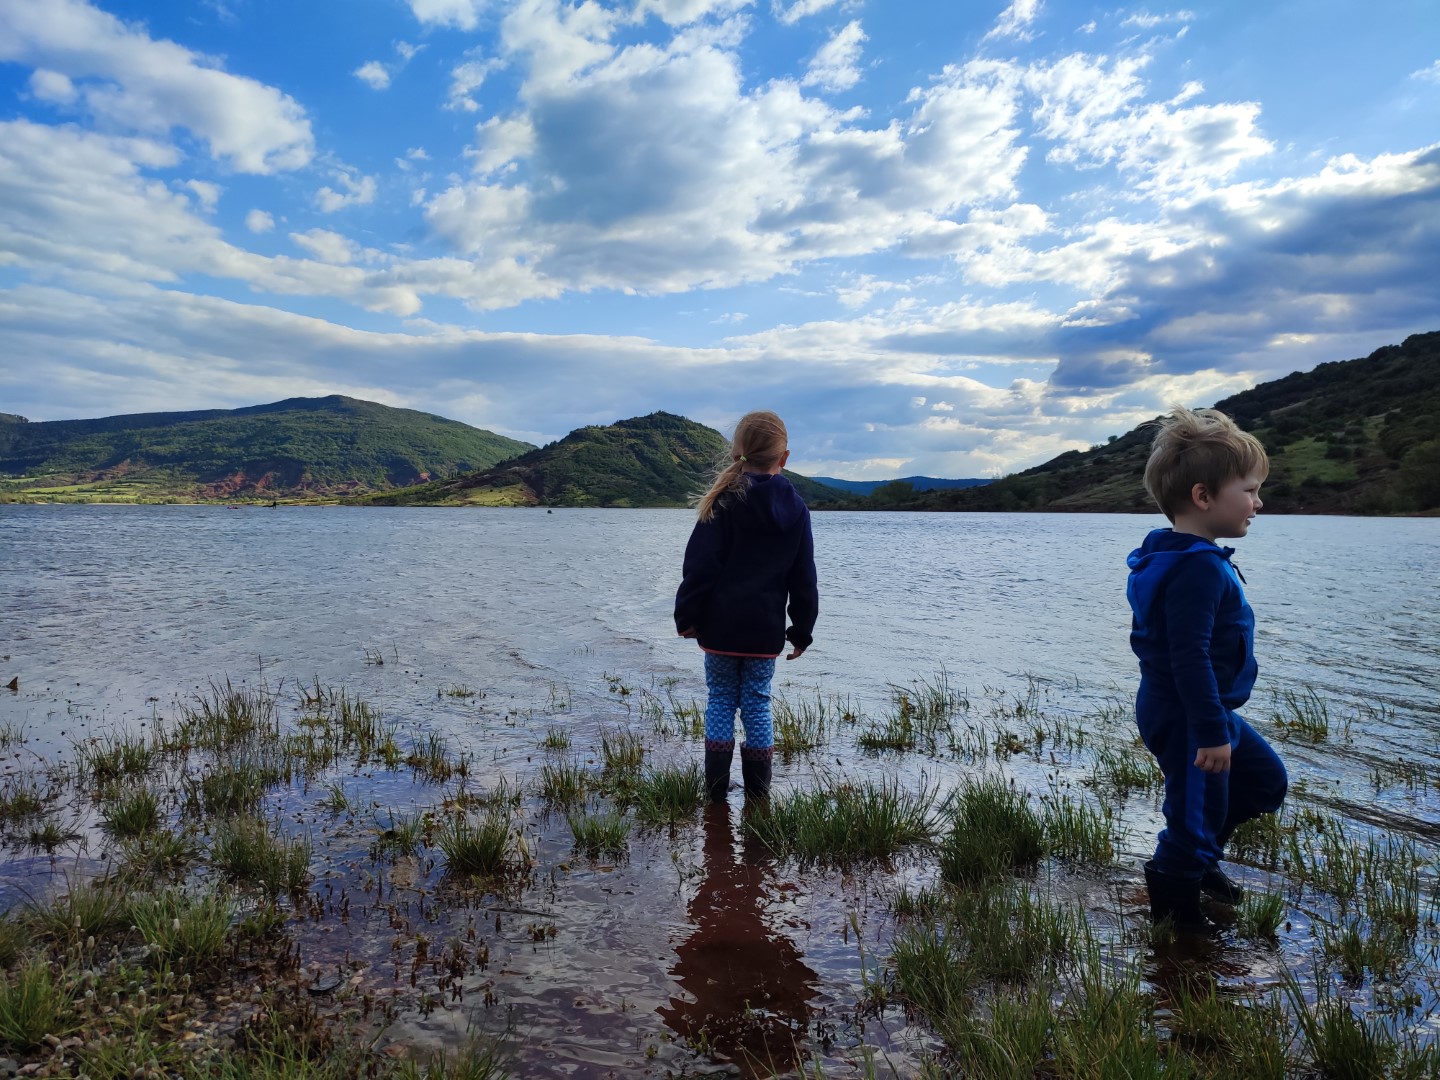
(106, 759)
(1231, 1035)
(132, 811)
(232, 787)
(1260, 914)
(623, 751)
(430, 759)
(34, 1003)
(159, 852)
(472, 846)
(1123, 770)
(20, 798)
(49, 834)
(556, 739)
(86, 909)
(185, 931)
(1259, 840)
(224, 719)
(1302, 714)
(995, 831)
(1357, 946)
(600, 832)
(669, 794)
(250, 852)
(563, 783)
(1078, 831)
(800, 726)
(845, 821)
(402, 834)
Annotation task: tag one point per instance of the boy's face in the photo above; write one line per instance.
(1233, 507)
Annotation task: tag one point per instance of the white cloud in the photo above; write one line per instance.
(407, 51)
(358, 191)
(834, 66)
(1015, 20)
(461, 14)
(1430, 74)
(53, 87)
(799, 9)
(500, 142)
(465, 79)
(685, 12)
(373, 74)
(258, 221)
(327, 246)
(1144, 20)
(149, 86)
(207, 193)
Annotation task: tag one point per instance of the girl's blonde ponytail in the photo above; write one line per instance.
(760, 441)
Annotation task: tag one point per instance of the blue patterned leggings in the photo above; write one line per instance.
(739, 682)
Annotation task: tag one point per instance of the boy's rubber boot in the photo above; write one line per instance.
(1215, 883)
(1176, 899)
(717, 773)
(757, 777)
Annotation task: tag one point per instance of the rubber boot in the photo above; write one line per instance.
(757, 777)
(1215, 883)
(1176, 899)
(717, 773)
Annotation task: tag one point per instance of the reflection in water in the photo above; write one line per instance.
(746, 987)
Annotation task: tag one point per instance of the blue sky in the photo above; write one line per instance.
(952, 238)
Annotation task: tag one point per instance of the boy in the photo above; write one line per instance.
(1194, 635)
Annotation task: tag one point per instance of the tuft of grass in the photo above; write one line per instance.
(1357, 946)
(20, 798)
(250, 852)
(1231, 1035)
(49, 834)
(844, 821)
(1260, 915)
(600, 832)
(563, 783)
(185, 931)
(336, 801)
(224, 719)
(556, 739)
(457, 690)
(995, 831)
(624, 753)
(131, 811)
(1337, 1042)
(430, 759)
(106, 759)
(159, 852)
(480, 1059)
(669, 794)
(1260, 840)
(1302, 714)
(401, 835)
(1106, 1026)
(1125, 770)
(86, 909)
(232, 787)
(35, 1003)
(1078, 831)
(800, 726)
(472, 846)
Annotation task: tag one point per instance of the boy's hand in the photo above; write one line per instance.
(795, 654)
(692, 632)
(1215, 759)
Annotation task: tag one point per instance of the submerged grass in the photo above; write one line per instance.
(477, 845)
(669, 794)
(600, 831)
(130, 812)
(844, 821)
(254, 853)
(995, 831)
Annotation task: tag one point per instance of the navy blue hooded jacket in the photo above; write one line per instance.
(742, 565)
(1193, 632)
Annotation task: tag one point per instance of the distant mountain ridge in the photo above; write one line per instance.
(659, 460)
(296, 448)
(919, 483)
(1349, 437)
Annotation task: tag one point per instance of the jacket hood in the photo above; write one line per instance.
(1152, 562)
(768, 503)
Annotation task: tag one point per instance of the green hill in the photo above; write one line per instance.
(1350, 437)
(300, 448)
(656, 460)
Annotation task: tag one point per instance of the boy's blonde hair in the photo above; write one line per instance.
(759, 442)
(1198, 446)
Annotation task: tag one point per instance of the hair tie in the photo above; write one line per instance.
(744, 458)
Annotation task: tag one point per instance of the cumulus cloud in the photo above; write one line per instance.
(460, 14)
(258, 221)
(799, 9)
(327, 246)
(835, 66)
(1015, 21)
(357, 190)
(465, 79)
(132, 81)
(1430, 74)
(206, 193)
(685, 12)
(373, 75)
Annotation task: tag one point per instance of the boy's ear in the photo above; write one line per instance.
(1200, 496)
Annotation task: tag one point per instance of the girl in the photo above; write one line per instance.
(750, 551)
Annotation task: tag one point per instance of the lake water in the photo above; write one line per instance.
(111, 613)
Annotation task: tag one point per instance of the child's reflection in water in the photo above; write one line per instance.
(748, 984)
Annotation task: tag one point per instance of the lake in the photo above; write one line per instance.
(493, 627)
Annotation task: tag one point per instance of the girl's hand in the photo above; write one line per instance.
(1213, 759)
(796, 654)
(692, 632)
